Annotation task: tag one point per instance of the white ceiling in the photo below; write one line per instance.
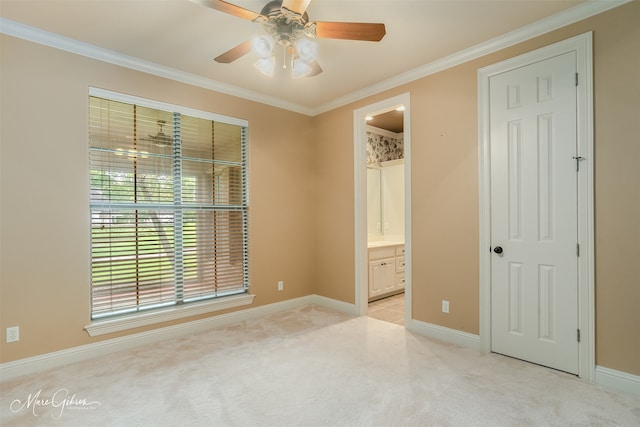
(183, 37)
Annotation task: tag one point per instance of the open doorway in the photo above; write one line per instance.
(382, 167)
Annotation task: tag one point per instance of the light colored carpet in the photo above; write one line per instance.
(310, 367)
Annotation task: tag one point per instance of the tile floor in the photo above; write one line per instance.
(389, 309)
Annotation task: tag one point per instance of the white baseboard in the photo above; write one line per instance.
(606, 377)
(30, 365)
(463, 339)
(617, 380)
(341, 306)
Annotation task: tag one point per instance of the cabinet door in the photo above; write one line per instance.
(382, 276)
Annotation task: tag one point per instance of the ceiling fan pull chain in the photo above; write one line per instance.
(284, 57)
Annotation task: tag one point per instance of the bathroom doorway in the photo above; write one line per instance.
(382, 167)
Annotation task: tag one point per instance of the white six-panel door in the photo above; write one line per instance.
(534, 283)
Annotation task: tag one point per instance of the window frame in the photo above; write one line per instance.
(117, 322)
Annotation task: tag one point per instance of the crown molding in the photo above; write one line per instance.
(384, 132)
(67, 44)
(546, 25)
(562, 19)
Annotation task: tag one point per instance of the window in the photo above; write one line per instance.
(168, 205)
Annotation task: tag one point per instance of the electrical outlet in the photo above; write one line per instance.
(445, 306)
(13, 334)
(280, 285)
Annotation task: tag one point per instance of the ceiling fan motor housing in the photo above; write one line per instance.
(283, 25)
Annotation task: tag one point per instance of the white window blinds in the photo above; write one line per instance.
(168, 207)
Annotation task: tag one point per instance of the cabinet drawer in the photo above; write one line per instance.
(380, 253)
(400, 251)
(400, 281)
(400, 264)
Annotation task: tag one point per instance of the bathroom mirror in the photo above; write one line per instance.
(374, 201)
(385, 145)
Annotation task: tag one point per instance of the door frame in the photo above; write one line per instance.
(582, 45)
(360, 199)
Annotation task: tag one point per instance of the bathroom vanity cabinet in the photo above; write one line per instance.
(386, 269)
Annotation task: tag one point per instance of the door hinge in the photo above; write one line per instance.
(577, 249)
(578, 335)
(576, 79)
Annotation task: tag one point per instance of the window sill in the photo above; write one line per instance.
(103, 327)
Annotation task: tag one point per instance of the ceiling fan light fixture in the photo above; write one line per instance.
(300, 69)
(266, 65)
(262, 46)
(307, 50)
(161, 140)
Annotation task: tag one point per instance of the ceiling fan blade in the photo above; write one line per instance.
(234, 53)
(350, 31)
(229, 8)
(315, 69)
(297, 6)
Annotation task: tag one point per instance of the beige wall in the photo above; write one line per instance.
(445, 221)
(301, 177)
(44, 274)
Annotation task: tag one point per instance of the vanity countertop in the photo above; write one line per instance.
(383, 243)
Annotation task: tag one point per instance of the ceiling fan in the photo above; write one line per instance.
(160, 139)
(287, 24)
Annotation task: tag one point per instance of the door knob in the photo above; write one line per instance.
(497, 249)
